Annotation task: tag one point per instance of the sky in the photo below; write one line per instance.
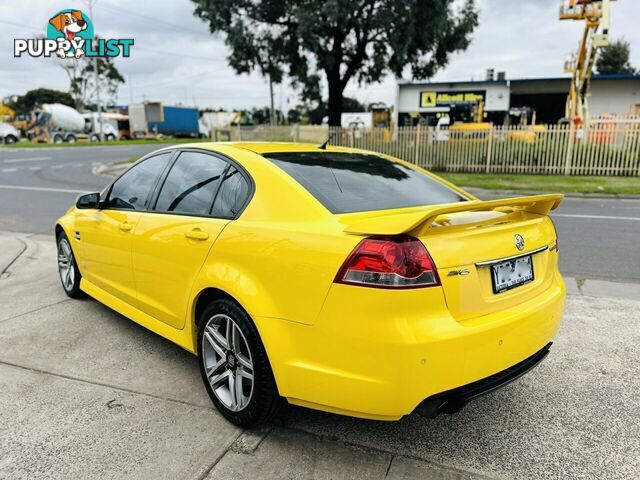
(175, 60)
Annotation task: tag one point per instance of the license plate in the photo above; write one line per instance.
(511, 273)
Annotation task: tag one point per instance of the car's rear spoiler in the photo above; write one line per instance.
(420, 221)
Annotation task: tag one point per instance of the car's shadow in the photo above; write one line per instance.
(508, 427)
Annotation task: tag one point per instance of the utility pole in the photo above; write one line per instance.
(95, 79)
(272, 112)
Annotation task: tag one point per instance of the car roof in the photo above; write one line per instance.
(260, 147)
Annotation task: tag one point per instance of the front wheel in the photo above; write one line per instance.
(68, 268)
(234, 365)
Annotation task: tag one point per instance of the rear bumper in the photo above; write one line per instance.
(370, 356)
(454, 400)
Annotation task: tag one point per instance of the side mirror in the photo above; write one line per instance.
(89, 200)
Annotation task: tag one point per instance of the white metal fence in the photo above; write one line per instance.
(607, 146)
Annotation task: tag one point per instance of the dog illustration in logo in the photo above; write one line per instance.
(69, 24)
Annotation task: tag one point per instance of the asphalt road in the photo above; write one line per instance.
(598, 237)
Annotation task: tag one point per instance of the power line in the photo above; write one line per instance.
(170, 81)
(149, 50)
(177, 54)
(148, 18)
(15, 24)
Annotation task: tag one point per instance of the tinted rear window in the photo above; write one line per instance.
(345, 182)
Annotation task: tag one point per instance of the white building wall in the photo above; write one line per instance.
(496, 95)
(614, 96)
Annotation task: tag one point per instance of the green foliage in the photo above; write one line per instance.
(24, 104)
(614, 59)
(342, 40)
(314, 112)
(261, 116)
(547, 183)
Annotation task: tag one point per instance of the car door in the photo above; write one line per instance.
(106, 233)
(171, 243)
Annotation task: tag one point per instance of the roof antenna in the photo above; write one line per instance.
(323, 146)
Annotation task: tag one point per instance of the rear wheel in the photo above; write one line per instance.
(58, 138)
(68, 268)
(71, 138)
(234, 365)
(111, 137)
(10, 139)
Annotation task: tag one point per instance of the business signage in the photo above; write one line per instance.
(446, 99)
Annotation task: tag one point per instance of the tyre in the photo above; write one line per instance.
(10, 139)
(67, 268)
(111, 137)
(94, 138)
(234, 365)
(58, 138)
(71, 138)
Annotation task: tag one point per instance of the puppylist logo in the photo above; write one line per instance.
(70, 35)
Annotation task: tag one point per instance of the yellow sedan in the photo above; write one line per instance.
(337, 279)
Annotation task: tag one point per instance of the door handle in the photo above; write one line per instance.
(125, 226)
(196, 235)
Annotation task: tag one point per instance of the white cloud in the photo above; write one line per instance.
(175, 59)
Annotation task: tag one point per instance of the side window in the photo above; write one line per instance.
(191, 184)
(132, 190)
(232, 195)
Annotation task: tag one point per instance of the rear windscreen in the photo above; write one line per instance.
(346, 182)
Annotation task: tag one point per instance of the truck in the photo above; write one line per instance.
(113, 126)
(154, 120)
(57, 123)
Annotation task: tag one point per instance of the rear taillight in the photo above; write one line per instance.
(389, 262)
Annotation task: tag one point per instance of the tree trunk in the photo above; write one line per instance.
(335, 100)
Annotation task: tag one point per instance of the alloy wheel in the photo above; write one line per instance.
(228, 362)
(65, 264)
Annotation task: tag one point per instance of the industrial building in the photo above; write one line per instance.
(425, 103)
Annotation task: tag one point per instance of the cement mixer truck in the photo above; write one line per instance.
(57, 123)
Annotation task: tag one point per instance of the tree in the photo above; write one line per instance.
(614, 58)
(261, 116)
(352, 105)
(360, 40)
(82, 85)
(24, 104)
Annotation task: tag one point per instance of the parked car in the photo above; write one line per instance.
(8, 133)
(337, 279)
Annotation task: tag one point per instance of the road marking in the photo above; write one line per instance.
(35, 168)
(9, 169)
(41, 189)
(57, 166)
(595, 217)
(31, 159)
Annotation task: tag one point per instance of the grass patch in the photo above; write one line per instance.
(170, 141)
(547, 183)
